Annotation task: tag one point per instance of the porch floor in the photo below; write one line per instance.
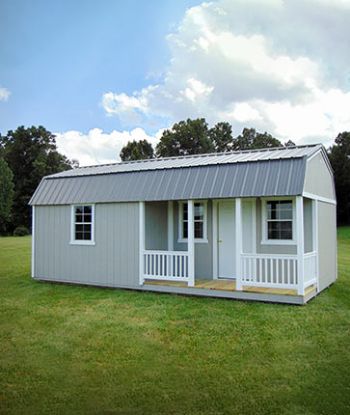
(228, 285)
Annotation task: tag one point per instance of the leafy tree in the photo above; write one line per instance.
(251, 139)
(289, 143)
(339, 155)
(184, 138)
(31, 153)
(6, 194)
(137, 150)
(221, 136)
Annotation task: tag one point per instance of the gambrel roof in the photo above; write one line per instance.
(268, 172)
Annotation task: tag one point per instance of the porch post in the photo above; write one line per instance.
(300, 243)
(238, 225)
(190, 243)
(141, 241)
(170, 225)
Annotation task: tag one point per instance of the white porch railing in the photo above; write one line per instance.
(272, 271)
(166, 265)
(310, 269)
(277, 271)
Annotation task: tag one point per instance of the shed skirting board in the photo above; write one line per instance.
(199, 292)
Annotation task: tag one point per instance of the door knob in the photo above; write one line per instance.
(219, 240)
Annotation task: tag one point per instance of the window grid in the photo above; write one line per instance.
(83, 223)
(280, 220)
(199, 220)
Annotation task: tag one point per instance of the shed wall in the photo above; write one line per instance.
(327, 244)
(112, 261)
(318, 178)
(156, 217)
(265, 248)
(308, 225)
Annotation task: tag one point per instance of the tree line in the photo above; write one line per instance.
(195, 137)
(29, 154)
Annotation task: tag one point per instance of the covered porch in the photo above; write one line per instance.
(233, 254)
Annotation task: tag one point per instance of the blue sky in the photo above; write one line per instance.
(101, 73)
(59, 57)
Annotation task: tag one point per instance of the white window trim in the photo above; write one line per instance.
(203, 240)
(74, 241)
(264, 238)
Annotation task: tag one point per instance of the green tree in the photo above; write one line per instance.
(339, 155)
(251, 139)
(6, 194)
(184, 138)
(221, 136)
(137, 150)
(31, 153)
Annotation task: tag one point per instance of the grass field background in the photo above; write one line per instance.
(84, 350)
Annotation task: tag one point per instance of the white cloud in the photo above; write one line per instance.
(98, 147)
(4, 94)
(274, 65)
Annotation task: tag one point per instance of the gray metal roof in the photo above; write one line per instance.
(278, 172)
(193, 161)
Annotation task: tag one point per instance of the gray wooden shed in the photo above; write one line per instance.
(256, 225)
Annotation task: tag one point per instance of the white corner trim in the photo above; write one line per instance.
(141, 241)
(33, 241)
(314, 155)
(319, 198)
(72, 226)
(215, 238)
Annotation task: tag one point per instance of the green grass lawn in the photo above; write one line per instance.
(84, 350)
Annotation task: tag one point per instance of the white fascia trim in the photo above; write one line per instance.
(72, 223)
(319, 198)
(33, 241)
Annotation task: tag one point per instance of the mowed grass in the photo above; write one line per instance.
(83, 350)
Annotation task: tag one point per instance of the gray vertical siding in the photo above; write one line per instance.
(156, 218)
(308, 228)
(327, 244)
(112, 261)
(318, 178)
(203, 250)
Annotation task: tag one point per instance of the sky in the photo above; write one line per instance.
(101, 73)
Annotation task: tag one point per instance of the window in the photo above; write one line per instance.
(279, 220)
(200, 221)
(82, 231)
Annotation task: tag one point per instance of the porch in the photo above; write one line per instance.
(245, 266)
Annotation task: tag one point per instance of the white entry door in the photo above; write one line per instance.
(226, 239)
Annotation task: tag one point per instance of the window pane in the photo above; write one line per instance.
(185, 211)
(79, 228)
(87, 236)
(198, 211)
(87, 228)
(78, 209)
(79, 236)
(280, 230)
(286, 214)
(282, 209)
(198, 229)
(87, 218)
(87, 210)
(79, 218)
(184, 230)
(272, 230)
